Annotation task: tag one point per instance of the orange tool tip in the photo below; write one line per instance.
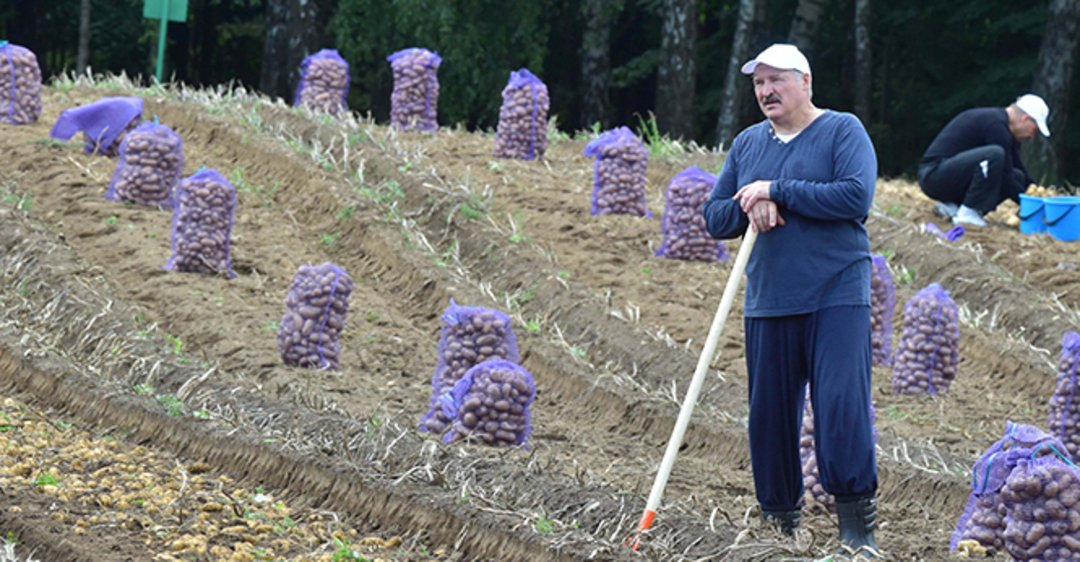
(646, 522)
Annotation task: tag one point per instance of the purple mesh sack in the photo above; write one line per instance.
(315, 312)
(929, 349)
(491, 404)
(522, 131)
(1042, 506)
(415, 99)
(104, 124)
(952, 235)
(470, 335)
(151, 160)
(983, 518)
(324, 82)
(683, 221)
(813, 489)
(20, 85)
(202, 224)
(1064, 404)
(882, 307)
(619, 173)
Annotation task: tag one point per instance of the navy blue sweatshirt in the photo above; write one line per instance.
(823, 183)
(981, 126)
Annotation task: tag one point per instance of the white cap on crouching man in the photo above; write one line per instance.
(1037, 109)
(780, 56)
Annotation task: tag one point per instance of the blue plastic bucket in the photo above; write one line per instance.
(1061, 217)
(1031, 214)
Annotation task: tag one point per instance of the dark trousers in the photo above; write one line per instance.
(973, 178)
(830, 349)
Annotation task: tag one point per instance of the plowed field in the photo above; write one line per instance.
(150, 417)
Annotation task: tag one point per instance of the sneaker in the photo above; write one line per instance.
(946, 210)
(969, 216)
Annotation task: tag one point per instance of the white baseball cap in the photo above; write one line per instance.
(781, 56)
(1037, 109)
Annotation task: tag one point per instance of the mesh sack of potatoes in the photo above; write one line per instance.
(983, 517)
(490, 404)
(149, 167)
(1064, 404)
(315, 312)
(928, 352)
(414, 100)
(324, 82)
(202, 225)
(104, 123)
(1042, 508)
(20, 85)
(682, 223)
(522, 130)
(813, 489)
(882, 307)
(619, 173)
(469, 336)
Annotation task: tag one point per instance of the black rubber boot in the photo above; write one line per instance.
(857, 522)
(785, 521)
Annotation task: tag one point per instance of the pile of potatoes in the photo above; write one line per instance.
(683, 222)
(151, 160)
(491, 404)
(202, 224)
(522, 131)
(882, 306)
(1064, 404)
(324, 82)
(983, 519)
(415, 98)
(619, 174)
(928, 353)
(1034, 190)
(1042, 503)
(470, 335)
(20, 85)
(315, 312)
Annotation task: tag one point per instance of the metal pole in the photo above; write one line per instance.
(695, 386)
(161, 39)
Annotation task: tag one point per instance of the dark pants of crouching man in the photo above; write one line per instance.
(830, 349)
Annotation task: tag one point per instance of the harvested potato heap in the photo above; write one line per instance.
(315, 312)
(983, 519)
(619, 174)
(813, 490)
(104, 124)
(1040, 191)
(324, 82)
(491, 404)
(415, 99)
(151, 160)
(1042, 508)
(470, 335)
(882, 306)
(683, 221)
(20, 85)
(929, 349)
(202, 224)
(1065, 402)
(522, 131)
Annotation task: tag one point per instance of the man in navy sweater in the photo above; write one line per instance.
(974, 162)
(804, 179)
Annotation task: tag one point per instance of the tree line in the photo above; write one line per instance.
(904, 67)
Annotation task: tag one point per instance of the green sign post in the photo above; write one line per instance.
(166, 11)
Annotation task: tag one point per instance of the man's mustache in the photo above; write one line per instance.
(770, 98)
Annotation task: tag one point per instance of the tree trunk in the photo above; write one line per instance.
(82, 55)
(676, 76)
(274, 77)
(863, 60)
(1045, 158)
(740, 51)
(596, 62)
(805, 24)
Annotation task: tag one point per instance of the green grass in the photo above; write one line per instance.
(173, 405)
(46, 479)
